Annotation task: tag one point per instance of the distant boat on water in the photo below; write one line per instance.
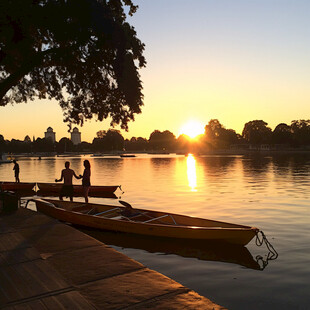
(127, 155)
(97, 155)
(4, 159)
(159, 153)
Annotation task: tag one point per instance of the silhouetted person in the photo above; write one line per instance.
(86, 179)
(67, 188)
(16, 171)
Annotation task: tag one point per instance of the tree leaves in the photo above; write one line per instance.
(82, 53)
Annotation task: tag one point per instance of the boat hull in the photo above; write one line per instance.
(78, 189)
(223, 232)
(13, 186)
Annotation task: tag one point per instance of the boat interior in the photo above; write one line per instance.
(140, 215)
(127, 214)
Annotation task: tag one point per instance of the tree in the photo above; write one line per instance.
(256, 132)
(2, 144)
(43, 145)
(110, 140)
(162, 140)
(136, 144)
(218, 136)
(114, 140)
(27, 139)
(82, 53)
(282, 134)
(183, 143)
(15, 146)
(213, 129)
(64, 145)
(301, 132)
(84, 147)
(98, 145)
(101, 134)
(141, 144)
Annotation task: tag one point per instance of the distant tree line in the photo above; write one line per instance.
(215, 137)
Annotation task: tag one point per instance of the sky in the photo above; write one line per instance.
(235, 61)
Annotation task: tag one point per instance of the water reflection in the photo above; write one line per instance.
(215, 166)
(254, 166)
(191, 172)
(233, 254)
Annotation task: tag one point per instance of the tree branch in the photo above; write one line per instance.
(34, 61)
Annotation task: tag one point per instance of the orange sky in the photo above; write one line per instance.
(235, 61)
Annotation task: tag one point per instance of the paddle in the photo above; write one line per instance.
(126, 204)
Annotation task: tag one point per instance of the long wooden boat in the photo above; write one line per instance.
(145, 222)
(13, 186)
(78, 189)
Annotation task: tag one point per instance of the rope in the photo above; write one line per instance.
(272, 254)
(120, 187)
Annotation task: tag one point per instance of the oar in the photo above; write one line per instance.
(125, 204)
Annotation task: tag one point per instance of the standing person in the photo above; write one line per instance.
(16, 171)
(67, 188)
(86, 179)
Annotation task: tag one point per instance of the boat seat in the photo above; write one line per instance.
(120, 217)
(161, 217)
(107, 211)
(87, 211)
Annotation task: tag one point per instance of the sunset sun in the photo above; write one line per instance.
(192, 129)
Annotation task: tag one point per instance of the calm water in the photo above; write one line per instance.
(271, 193)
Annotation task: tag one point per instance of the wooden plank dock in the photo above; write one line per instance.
(45, 264)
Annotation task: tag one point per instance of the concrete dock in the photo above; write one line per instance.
(45, 264)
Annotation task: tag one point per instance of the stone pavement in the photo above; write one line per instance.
(45, 264)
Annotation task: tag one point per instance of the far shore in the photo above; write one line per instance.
(180, 153)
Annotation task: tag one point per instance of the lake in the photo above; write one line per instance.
(268, 192)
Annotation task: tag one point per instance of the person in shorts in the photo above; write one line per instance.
(67, 176)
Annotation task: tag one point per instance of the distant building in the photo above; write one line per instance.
(75, 136)
(50, 134)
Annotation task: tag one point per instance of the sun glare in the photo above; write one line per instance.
(192, 129)
(191, 172)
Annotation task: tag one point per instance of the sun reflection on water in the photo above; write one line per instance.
(191, 172)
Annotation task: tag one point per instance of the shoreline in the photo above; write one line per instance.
(214, 152)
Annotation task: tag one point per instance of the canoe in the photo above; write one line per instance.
(78, 189)
(13, 186)
(145, 222)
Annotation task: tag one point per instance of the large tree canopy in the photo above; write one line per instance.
(256, 132)
(82, 53)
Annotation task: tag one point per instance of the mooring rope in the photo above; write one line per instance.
(120, 187)
(272, 254)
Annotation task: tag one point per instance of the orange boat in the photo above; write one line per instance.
(145, 222)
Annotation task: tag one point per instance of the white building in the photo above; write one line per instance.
(75, 136)
(50, 134)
